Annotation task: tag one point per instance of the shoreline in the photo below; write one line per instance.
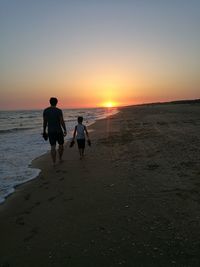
(12, 190)
(133, 199)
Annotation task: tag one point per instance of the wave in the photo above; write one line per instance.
(15, 130)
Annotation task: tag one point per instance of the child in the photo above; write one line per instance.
(79, 133)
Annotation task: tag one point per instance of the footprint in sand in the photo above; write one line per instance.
(37, 203)
(43, 184)
(6, 264)
(27, 211)
(67, 199)
(33, 232)
(52, 198)
(27, 197)
(152, 166)
(20, 221)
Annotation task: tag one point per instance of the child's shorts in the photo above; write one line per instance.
(81, 143)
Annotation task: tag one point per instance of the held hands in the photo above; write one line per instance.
(65, 133)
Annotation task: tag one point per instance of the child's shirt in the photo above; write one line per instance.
(80, 128)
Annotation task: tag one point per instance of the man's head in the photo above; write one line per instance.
(53, 101)
(80, 119)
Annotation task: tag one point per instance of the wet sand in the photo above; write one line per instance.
(133, 201)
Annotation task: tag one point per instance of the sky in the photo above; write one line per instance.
(89, 53)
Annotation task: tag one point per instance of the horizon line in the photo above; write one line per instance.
(183, 101)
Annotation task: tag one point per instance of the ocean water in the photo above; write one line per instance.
(21, 142)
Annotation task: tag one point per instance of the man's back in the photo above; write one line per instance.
(53, 116)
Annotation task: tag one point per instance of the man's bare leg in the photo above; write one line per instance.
(80, 153)
(53, 154)
(60, 152)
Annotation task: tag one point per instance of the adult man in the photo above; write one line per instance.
(53, 118)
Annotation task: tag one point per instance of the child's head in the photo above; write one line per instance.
(80, 119)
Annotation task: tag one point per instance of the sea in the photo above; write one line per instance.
(21, 142)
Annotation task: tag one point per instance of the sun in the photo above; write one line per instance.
(109, 104)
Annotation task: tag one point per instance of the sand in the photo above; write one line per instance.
(133, 201)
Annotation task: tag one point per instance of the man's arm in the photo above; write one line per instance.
(87, 134)
(63, 125)
(86, 131)
(44, 123)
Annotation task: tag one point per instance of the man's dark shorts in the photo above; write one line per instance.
(81, 143)
(56, 137)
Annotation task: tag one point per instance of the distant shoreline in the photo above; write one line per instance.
(193, 101)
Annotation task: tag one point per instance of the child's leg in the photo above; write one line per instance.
(83, 151)
(81, 144)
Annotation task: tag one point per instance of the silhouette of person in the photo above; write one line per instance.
(53, 119)
(79, 134)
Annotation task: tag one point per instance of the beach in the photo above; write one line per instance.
(132, 201)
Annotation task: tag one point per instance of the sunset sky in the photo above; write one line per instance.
(91, 52)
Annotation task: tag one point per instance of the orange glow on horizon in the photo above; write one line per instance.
(109, 104)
